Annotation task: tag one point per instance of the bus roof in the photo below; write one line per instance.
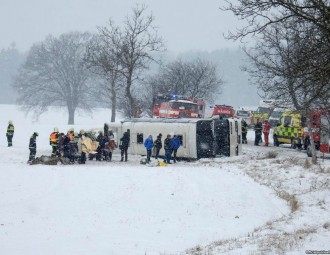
(161, 120)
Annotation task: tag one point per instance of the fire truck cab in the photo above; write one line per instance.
(173, 106)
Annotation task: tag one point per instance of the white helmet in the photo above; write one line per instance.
(10, 122)
(56, 130)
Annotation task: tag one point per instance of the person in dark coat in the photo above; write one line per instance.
(100, 149)
(158, 145)
(124, 143)
(33, 147)
(149, 143)
(73, 147)
(63, 145)
(258, 132)
(244, 131)
(10, 133)
(168, 147)
(176, 145)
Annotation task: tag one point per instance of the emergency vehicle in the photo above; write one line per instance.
(274, 118)
(174, 106)
(221, 111)
(290, 129)
(244, 115)
(319, 120)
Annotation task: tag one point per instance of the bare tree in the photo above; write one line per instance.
(54, 74)
(139, 41)
(196, 79)
(261, 14)
(103, 58)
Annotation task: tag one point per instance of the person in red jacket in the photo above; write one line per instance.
(266, 132)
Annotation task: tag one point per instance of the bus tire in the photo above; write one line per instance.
(276, 143)
(293, 145)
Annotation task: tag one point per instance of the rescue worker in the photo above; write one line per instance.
(158, 145)
(168, 149)
(176, 145)
(266, 132)
(73, 147)
(33, 147)
(10, 133)
(149, 143)
(124, 142)
(258, 132)
(70, 134)
(244, 131)
(54, 141)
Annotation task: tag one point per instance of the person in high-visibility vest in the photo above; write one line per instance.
(10, 133)
(54, 141)
(70, 134)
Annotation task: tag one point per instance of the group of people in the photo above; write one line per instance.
(75, 146)
(63, 145)
(171, 145)
(259, 129)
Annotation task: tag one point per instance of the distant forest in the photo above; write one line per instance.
(236, 92)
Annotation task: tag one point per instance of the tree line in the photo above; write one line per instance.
(111, 67)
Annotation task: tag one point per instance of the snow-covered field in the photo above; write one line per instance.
(267, 201)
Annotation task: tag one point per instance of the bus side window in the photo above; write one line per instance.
(181, 139)
(139, 138)
(231, 128)
(236, 126)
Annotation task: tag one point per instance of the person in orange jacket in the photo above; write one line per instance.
(266, 132)
(54, 141)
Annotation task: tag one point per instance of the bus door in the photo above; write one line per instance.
(204, 139)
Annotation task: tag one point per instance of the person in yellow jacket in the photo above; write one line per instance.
(54, 141)
(10, 133)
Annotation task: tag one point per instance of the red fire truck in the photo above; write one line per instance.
(174, 106)
(222, 111)
(320, 124)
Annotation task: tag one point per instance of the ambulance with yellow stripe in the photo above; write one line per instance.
(290, 130)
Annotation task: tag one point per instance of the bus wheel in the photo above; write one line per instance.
(293, 145)
(309, 151)
(276, 143)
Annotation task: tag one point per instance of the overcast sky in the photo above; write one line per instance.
(184, 24)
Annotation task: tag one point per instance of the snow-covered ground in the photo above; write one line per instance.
(267, 201)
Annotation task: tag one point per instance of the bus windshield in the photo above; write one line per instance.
(242, 113)
(276, 114)
(184, 106)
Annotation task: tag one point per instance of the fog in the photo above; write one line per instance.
(185, 24)
(189, 29)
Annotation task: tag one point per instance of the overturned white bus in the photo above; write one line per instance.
(200, 138)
